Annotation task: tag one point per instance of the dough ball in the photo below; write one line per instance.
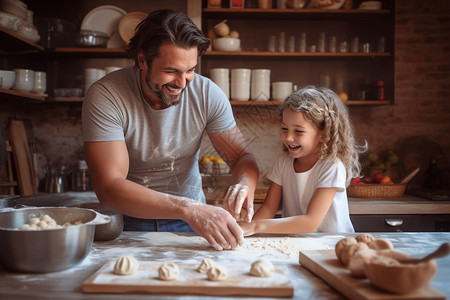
(381, 244)
(126, 265)
(78, 223)
(67, 224)
(205, 265)
(350, 250)
(34, 221)
(364, 238)
(42, 225)
(262, 268)
(46, 218)
(217, 273)
(25, 227)
(168, 271)
(342, 244)
(356, 264)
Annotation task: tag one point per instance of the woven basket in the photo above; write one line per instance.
(376, 190)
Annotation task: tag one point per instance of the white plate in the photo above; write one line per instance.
(105, 18)
(128, 23)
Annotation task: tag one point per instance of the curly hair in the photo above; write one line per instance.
(165, 27)
(325, 110)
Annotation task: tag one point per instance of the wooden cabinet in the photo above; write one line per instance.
(353, 72)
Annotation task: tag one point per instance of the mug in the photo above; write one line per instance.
(240, 84)
(40, 82)
(260, 89)
(221, 77)
(281, 89)
(24, 80)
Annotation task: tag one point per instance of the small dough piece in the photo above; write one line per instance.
(217, 273)
(126, 265)
(168, 271)
(349, 251)
(262, 268)
(42, 225)
(364, 238)
(25, 227)
(34, 221)
(205, 265)
(342, 244)
(356, 264)
(46, 218)
(381, 244)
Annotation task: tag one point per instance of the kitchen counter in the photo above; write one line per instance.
(358, 206)
(189, 248)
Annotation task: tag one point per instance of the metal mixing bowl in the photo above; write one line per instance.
(110, 230)
(47, 250)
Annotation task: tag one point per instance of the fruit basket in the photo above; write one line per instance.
(376, 190)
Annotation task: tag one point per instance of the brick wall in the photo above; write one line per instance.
(419, 119)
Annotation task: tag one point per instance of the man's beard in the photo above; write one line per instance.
(163, 97)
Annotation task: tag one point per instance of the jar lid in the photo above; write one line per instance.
(82, 165)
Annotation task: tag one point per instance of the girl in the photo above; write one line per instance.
(310, 176)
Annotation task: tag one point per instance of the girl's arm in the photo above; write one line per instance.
(309, 222)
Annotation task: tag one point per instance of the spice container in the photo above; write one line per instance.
(380, 85)
(81, 181)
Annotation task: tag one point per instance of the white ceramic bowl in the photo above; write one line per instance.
(24, 80)
(7, 79)
(226, 44)
(9, 21)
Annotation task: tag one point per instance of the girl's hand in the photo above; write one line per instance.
(236, 198)
(248, 228)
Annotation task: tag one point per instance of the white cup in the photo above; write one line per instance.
(260, 89)
(24, 80)
(221, 77)
(111, 69)
(281, 89)
(240, 84)
(40, 82)
(91, 75)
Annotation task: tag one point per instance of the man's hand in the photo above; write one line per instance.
(236, 197)
(216, 225)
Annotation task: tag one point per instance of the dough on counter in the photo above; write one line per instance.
(168, 271)
(342, 244)
(217, 273)
(126, 265)
(356, 264)
(205, 265)
(365, 238)
(262, 268)
(381, 244)
(349, 251)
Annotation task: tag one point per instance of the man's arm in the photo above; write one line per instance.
(232, 147)
(108, 166)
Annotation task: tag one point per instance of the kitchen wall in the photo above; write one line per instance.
(416, 125)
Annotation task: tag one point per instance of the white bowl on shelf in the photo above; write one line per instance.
(7, 79)
(226, 44)
(9, 21)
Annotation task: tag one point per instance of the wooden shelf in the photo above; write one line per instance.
(5, 93)
(13, 42)
(295, 54)
(91, 52)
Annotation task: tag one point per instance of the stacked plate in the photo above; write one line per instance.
(128, 23)
(105, 19)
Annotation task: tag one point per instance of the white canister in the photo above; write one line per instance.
(281, 89)
(91, 75)
(240, 84)
(260, 89)
(111, 69)
(221, 77)
(40, 82)
(24, 80)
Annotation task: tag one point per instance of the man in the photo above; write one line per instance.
(143, 128)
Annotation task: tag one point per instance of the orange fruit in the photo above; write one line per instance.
(386, 180)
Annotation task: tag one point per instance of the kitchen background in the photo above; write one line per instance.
(416, 125)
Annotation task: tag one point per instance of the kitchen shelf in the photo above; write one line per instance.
(20, 95)
(295, 54)
(88, 52)
(13, 42)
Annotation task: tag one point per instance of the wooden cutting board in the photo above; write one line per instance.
(324, 264)
(26, 173)
(191, 282)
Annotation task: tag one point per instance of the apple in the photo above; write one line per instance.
(376, 178)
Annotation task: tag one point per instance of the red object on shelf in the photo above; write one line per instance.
(237, 3)
(380, 85)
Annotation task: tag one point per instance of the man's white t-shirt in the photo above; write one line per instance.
(298, 189)
(163, 145)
